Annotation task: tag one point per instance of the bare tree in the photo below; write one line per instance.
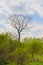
(19, 22)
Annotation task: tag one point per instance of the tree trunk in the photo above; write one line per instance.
(19, 36)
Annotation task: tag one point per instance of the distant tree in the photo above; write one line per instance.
(12, 35)
(27, 40)
(19, 22)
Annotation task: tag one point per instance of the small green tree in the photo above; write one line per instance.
(35, 47)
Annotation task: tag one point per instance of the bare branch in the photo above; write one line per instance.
(19, 22)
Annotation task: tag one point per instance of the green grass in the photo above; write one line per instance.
(36, 63)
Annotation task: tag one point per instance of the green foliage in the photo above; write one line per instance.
(11, 63)
(35, 47)
(36, 63)
(14, 52)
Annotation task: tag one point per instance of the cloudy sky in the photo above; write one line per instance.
(27, 7)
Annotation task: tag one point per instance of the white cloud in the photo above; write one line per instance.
(37, 27)
(34, 5)
(35, 31)
(29, 6)
(5, 7)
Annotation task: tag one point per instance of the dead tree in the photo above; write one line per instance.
(19, 22)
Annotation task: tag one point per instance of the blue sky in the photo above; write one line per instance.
(33, 8)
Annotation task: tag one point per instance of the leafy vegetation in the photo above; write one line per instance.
(27, 52)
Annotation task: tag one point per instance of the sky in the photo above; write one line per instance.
(33, 8)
